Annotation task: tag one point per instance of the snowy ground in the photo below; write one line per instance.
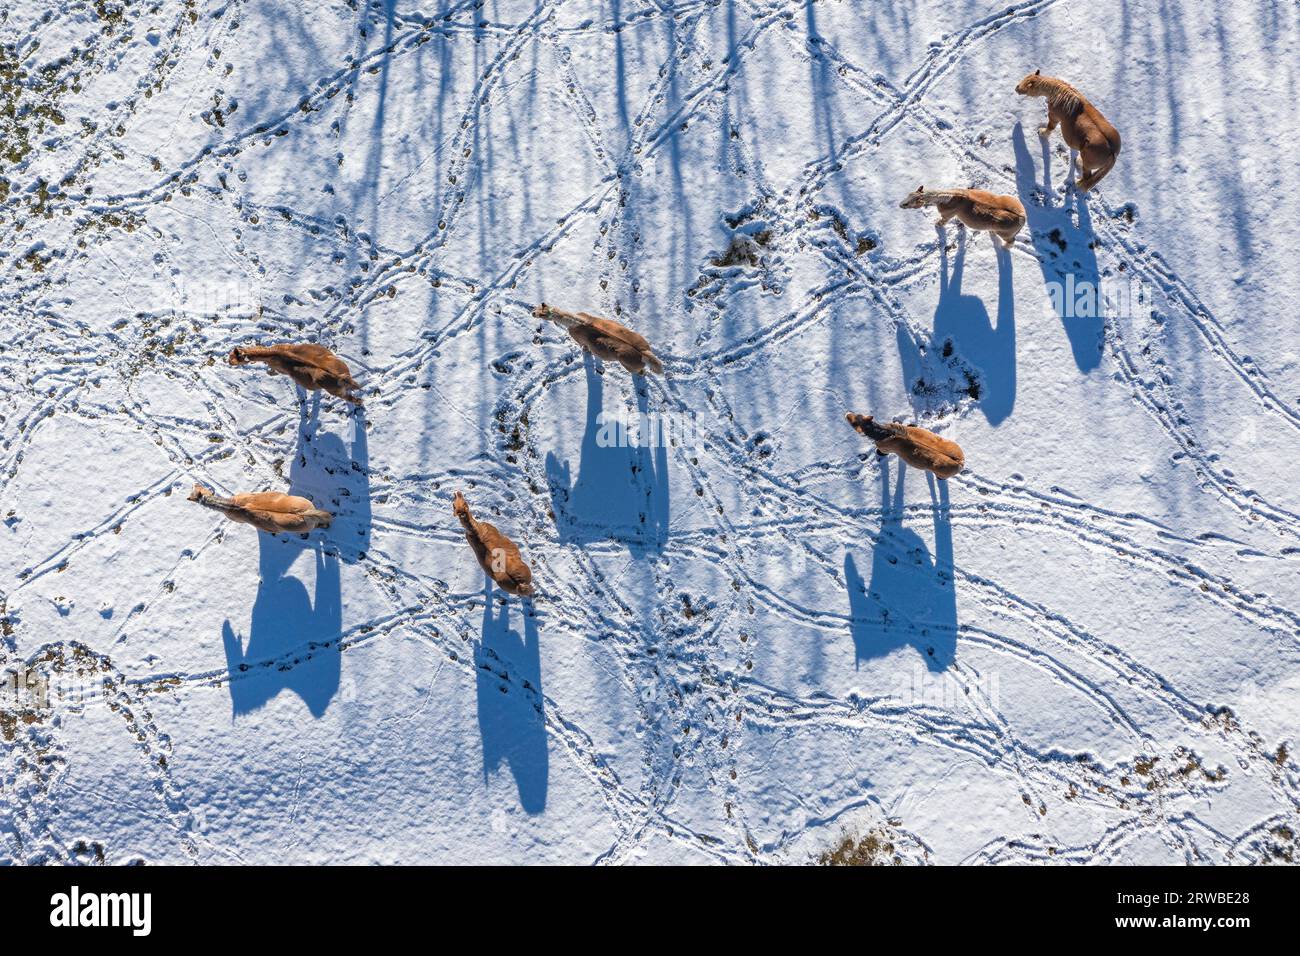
(748, 643)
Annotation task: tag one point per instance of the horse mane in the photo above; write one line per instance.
(933, 196)
(1062, 95)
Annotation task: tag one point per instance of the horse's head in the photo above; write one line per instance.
(1032, 85)
(868, 427)
(914, 201)
(237, 357)
(460, 507)
(565, 320)
(199, 492)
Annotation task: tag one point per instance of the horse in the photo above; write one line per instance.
(916, 446)
(976, 209)
(269, 511)
(1084, 128)
(604, 338)
(311, 366)
(497, 555)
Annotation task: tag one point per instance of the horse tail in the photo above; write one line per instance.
(323, 518)
(1094, 177)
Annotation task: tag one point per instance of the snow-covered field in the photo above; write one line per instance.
(748, 642)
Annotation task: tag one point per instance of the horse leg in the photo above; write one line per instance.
(1046, 131)
(1084, 173)
(1094, 163)
(1095, 175)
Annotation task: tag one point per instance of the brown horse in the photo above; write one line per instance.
(497, 555)
(268, 511)
(604, 338)
(1082, 125)
(311, 366)
(982, 211)
(916, 446)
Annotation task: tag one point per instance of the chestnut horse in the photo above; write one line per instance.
(916, 446)
(497, 555)
(1082, 125)
(604, 338)
(311, 366)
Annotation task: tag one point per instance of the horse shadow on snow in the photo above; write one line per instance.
(967, 355)
(293, 634)
(511, 718)
(911, 599)
(1065, 244)
(621, 492)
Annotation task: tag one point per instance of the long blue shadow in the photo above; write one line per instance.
(293, 638)
(1064, 241)
(621, 492)
(510, 709)
(293, 635)
(911, 600)
(964, 321)
(349, 477)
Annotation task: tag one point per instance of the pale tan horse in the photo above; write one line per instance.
(916, 446)
(1084, 128)
(269, 511)
(604, 338)
(982, 211)
(311, 366)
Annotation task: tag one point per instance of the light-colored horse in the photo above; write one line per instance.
(604, 338)
(1084, 128)
(1003, 216)
(311, 366)
(269, 511)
